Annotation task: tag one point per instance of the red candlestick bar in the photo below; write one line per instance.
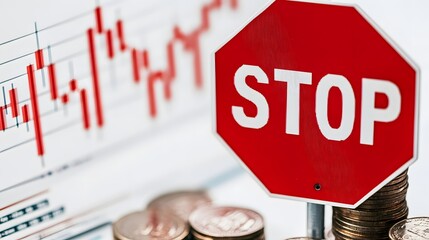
(178, 34)
(2, 119)
(205, 14)
(25, 115)
(73, 85)
(195, 48)
(95, 80)
(151, 92)
(121, 37)
(98, 20)
(85, 109)
(171, 60)
(234, 4)
(191, 43)
(171, 70)
(40, 63)
(53, 81)
(14, 102)
(65, 98)
(110, 47)
(205, 22)
(136, 70)
(145, 55)
(35, 108)
(216, 4)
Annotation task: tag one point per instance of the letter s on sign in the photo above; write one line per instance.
(262, 108)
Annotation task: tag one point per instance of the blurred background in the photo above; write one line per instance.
(125, 111)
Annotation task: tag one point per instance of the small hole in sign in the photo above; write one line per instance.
(317, 187)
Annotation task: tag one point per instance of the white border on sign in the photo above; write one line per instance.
(389, 40)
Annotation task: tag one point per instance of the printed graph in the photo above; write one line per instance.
(99, 81)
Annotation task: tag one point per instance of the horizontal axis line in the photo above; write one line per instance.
(16, 58)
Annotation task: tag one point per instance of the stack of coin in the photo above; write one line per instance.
(181, 203)
(373, 218)
(411, 229)
(216, 223)
(150, 225)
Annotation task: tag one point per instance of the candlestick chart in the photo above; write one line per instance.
(77, 86)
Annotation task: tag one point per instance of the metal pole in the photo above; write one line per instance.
(315, 221)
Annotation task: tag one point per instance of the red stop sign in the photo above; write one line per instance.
(317, 102)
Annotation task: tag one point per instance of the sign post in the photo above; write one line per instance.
(315, 220)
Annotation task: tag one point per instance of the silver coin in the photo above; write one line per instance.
(411, 229)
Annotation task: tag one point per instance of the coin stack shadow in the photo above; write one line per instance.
(374, 217)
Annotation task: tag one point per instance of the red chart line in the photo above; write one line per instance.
(35, 108)
(195, 47)
(151, 92)
(121, 36)
(73, 85)
(205, 18)
(135, 60)
(145, 62)
(171, 70)
(65, 98)
(234, 4)
(205, 21)
(25, 115)
(14, 102)
(53, 81)
(40, 63)
(110, 48)
(23, 200)
(95, 78)
(2, 119)
(139, 60)
(85, 109)
(99, 20)
(170, 58)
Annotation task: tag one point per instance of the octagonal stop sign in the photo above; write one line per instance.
(317, 102)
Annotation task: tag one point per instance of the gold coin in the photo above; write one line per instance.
(150, 225)
(226, 222)
(181, 203)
